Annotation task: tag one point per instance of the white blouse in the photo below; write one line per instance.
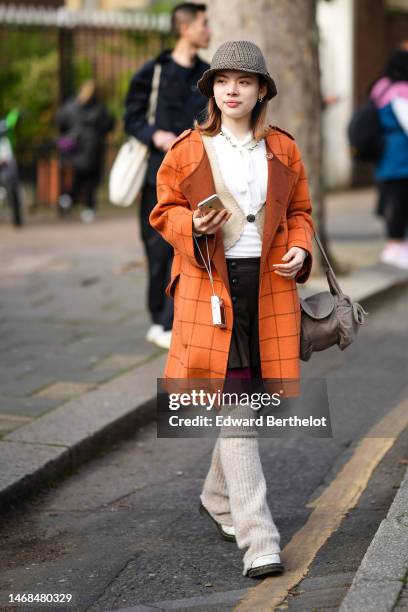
(245, 173)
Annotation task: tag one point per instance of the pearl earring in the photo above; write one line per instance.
(260, 99)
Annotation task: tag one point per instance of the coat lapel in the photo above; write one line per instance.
(196, 187)
(281, 181)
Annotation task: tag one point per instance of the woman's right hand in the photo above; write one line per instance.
(211, 222)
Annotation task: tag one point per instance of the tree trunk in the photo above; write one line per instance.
(288, 35)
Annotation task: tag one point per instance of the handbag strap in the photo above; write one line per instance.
(151, 111)
(331, 277)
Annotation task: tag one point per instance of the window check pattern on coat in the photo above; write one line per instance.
(198, 348)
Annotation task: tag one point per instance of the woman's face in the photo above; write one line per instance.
(236, 93)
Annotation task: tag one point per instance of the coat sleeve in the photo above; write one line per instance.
(136, 104)
(299, 215)
(172, 216)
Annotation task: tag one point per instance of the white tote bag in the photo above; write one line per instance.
(130, 166)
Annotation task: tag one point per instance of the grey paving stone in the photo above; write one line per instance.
(64, 389)
(27, 406)
(372, 597)
(93, 345)
(118, 362)
(109, 344)
(27, 347)
(83, 372)
(88, 375)
(26, 385)
(12, 372)
(44, 313)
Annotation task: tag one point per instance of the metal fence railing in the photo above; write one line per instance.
(45, 54)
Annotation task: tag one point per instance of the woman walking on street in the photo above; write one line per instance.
(255, 250)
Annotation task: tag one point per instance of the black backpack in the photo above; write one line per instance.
(365, 134)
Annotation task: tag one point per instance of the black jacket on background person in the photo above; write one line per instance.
(89, 124)
(179, 103)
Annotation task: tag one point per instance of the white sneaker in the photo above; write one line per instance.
(87, 215)
(227, 532)
(153, 332)
(65, 201)
(396, 254)
(266, 565)
(164, 339)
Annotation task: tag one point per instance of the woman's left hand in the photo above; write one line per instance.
(295, 258)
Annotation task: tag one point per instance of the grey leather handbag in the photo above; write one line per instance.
(328, 317)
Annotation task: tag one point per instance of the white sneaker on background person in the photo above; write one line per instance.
(65, 201)
(153, 332)
(396, 254)
(163, 340)
(88, 215)
(158, 336)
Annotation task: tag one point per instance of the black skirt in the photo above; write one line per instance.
(243, 274)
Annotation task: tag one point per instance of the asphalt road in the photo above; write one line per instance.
(124, 531)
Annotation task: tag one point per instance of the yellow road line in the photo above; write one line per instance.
(329, 510)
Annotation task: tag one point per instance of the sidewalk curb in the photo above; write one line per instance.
(380, 577)
(53, 445)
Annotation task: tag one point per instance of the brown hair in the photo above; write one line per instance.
(211, 125)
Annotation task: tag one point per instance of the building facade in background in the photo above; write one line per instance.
(107, 5)
(356, 38)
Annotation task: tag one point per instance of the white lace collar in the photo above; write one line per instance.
(242, 141)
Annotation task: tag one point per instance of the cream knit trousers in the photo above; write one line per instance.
(234, 493)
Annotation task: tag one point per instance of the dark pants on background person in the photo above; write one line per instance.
(159, 255)
(9, 179)
(394, 207)
(84, 187)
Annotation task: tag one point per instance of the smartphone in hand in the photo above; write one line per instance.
(213, 202)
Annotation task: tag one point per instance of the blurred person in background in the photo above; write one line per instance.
(9, 178)
(83, 122)
(390, 96)
(179, 104)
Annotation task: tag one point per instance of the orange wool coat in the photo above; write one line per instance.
(198, 349)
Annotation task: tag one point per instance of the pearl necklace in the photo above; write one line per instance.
(229, 139)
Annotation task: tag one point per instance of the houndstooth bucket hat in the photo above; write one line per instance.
(237, 55)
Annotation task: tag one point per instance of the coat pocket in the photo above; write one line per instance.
(282, 233)
(175, 275)
(171, 287)
(187, 306)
